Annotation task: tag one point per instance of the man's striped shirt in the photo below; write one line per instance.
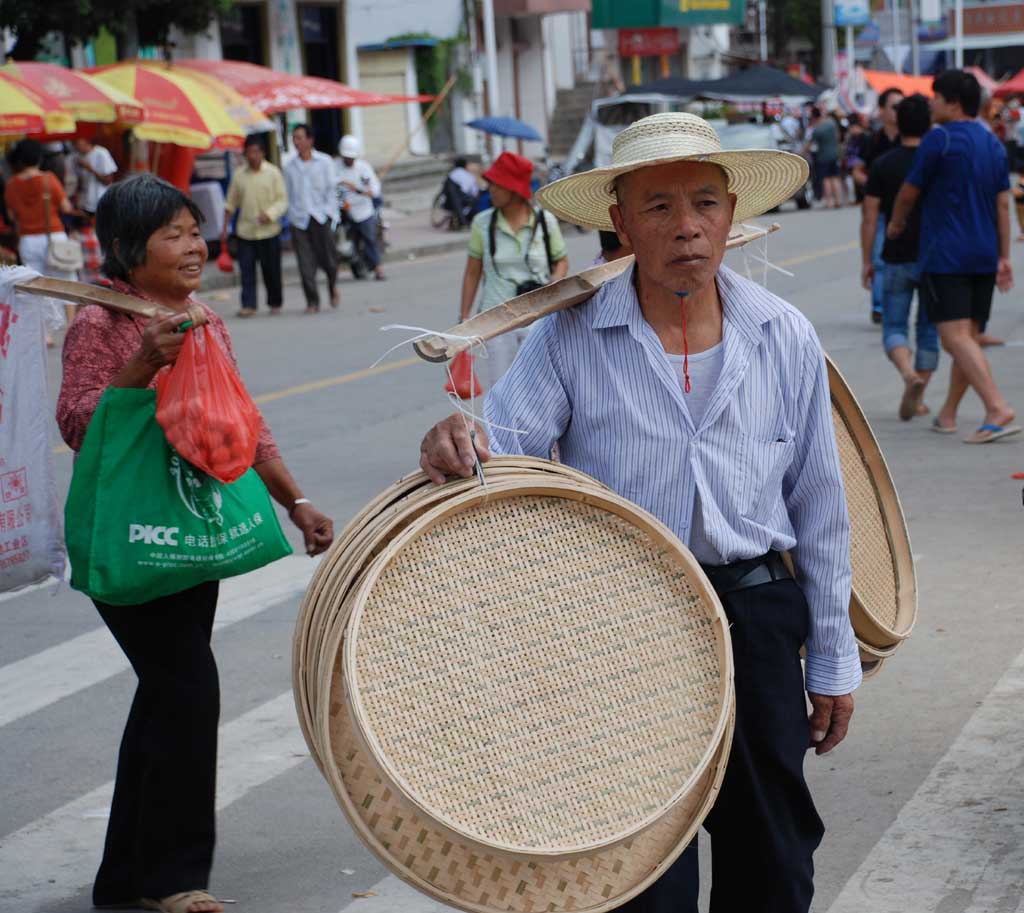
(596, 380)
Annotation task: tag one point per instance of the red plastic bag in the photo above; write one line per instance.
(224, 262)
(463, 381)
(205, 410)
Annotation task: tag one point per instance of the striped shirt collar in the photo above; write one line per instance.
(745, 304)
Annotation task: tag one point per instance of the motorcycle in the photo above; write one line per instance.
(350, 243)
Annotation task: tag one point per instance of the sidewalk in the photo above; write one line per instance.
(409, 238)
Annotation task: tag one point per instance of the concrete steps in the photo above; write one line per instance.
(571, 107)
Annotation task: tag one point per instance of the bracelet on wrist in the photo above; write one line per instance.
(296, 503)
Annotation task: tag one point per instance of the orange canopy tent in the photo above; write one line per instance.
(879, 80)
(24, 109)
(1013, 86)
(86, 98)
(273, 92)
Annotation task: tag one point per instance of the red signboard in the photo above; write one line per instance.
(990, 19)
(648, 42)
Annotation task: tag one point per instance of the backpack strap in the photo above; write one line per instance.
(543, 217)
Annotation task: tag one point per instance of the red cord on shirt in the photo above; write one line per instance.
(686, 345)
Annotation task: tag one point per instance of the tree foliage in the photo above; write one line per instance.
(79, 20)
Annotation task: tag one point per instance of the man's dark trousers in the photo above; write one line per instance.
(315, 249)
(764, 827)
(268, 253)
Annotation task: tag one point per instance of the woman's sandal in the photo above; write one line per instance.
(180, 903)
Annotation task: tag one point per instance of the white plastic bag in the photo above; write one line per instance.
(31, 541)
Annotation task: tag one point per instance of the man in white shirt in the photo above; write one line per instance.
(312, 215)
(463, 191)
(96, 169)
(358, 186)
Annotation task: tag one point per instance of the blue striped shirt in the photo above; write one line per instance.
(596, 380)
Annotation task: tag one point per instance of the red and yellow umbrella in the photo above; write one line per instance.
(84, 96)
(25, 109)
(179, 109)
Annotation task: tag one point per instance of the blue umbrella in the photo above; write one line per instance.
(505, 126)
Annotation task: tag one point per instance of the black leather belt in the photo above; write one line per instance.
(741, 575)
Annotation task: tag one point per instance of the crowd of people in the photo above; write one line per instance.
(936, 220)
(51, 200)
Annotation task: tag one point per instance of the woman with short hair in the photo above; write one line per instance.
(160, 837)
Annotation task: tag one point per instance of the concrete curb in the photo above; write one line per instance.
(214, 279)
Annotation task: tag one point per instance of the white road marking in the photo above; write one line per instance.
(54, 857)
(392, 895)
(43, 678)
(958, 845)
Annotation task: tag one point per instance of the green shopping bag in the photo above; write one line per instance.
(142, 523)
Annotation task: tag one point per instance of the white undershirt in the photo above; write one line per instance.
(704, 369)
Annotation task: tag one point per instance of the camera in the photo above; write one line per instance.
(528, 286)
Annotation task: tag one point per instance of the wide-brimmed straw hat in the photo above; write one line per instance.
(760, 178)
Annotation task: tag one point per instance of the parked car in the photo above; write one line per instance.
(767, 136)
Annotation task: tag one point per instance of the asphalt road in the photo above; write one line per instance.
(924, 803)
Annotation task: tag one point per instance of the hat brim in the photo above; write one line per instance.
(761, 179)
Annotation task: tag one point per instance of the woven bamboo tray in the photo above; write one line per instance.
(883, 603)
(551, 580)
(433, 855)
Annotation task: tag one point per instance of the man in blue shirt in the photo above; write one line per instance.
(960, 174)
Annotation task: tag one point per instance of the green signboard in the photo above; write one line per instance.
(702, 12)
(639, 14)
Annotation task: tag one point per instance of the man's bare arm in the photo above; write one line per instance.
(868, 227)
(906, 199)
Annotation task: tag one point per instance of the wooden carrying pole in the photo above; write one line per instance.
(82, 293)
(523, 310)
(430, 112)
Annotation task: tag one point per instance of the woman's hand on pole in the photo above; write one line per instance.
(161, 343)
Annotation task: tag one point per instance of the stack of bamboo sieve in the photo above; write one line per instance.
(518, 687)
(883, 599)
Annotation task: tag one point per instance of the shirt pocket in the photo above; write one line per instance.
(766, 463)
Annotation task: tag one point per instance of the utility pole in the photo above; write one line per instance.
(762, 28)
(915, 46)
(897, 56)
(958, 38)
(491, 55)
(828, 42)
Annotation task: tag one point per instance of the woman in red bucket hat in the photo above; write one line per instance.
(514, 247)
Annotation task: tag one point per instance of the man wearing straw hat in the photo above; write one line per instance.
(704, 399)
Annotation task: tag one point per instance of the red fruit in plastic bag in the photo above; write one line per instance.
(202, 404)
(224, 262)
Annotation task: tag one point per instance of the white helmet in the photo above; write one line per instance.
(349, 147)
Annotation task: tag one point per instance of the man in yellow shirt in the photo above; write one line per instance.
(257, 193)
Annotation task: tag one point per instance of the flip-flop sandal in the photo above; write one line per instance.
(179, 903)
(988, 433)
(941, 429)
(911, 399)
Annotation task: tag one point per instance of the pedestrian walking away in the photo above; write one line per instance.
(358, 187)
(96, 169)
(513, 248)
(257, 193)
(824, 145)
(902, 273)
(35, 200)
(884, 139)
(313, 216)
(960, 176)
(161, 833)
(703, 398)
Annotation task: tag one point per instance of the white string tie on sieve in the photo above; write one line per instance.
(469, 417)
(766, 264)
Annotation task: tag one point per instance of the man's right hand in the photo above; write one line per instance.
(867, 275)
(447, 449)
